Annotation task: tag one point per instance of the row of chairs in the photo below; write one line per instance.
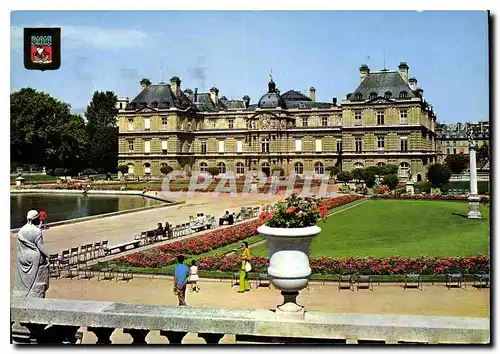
(458, 192)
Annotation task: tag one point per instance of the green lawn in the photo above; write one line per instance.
(407, 228)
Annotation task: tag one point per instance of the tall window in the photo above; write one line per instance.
(239, 146)
(265, 145)
(403, 169)
(404, 143)
(298, 145)
(231, 123)
(203, 147)
(304, 122)
(147, 168)
(203, 167)
(359, 144)
(221, 145)
(454, 151)
(164, 145)
(448, 151)
(222, 167)
(319, 168)
(357, 118)
(339, 145)
(131, 124)
(147, 123)
(324, 121)
(131, 146)
(147, 146)
(319, 145)
(240, 168)
(380, 143)
(163, 123)
(299, 168)
(130, 168)
(403, 116)
(380, 118)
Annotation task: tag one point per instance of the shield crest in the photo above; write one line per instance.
(42, 48)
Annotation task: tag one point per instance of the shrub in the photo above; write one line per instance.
(391, 181)
(295, 211)
(214, 171)
(166, 169)
(358, 174)
(374, 170)
(370, 179)
(382, 190)
(387, 169)
(60, 171)
(121, 168)
(344, 176)
(278, 169)
(438, 175)
(423, 186)
(457, 163)
(89, 171)
(333, 170)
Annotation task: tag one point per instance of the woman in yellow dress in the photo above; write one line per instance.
(246, 257)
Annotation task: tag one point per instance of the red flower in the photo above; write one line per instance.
(291, 210)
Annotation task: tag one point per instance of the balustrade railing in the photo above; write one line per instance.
(58, 321)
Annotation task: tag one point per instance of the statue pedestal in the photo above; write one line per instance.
(410, 189)
(474, 212)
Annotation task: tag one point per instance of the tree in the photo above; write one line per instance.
(344, 176)
(358, 174)
(370, 179)
(483, 153)
(44, 132)
(333, 170)
(387, 169)
(438, 175)
(214, 171)
(390, 181)
(165, 169)
(122, 168)
(374, 170)
(102, 131)
(457, 163)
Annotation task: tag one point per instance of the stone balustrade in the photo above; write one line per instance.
(57, 321)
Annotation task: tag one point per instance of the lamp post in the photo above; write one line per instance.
(474, 199)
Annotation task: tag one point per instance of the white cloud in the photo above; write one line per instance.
(88, 37)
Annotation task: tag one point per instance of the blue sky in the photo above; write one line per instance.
(234, 51)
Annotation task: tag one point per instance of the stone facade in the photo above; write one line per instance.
(452, 138)
(193, 131)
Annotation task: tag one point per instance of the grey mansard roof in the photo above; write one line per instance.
(380, 83)
(160, 96)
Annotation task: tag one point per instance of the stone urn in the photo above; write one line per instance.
(289, 268)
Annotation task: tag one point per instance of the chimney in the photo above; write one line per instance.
(144, 83)
(246, 99)
(413, 83)
(196, 95)
(403, 71)
(214, 92)
(364, 71)
(420, 92)
(334, 100)
(122, 103)
(312, 94)
(175, 84)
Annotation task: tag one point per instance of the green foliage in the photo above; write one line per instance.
(390, 181)
(369, 179)
(373, 170)
(59, 171)
(483, 152)
(358, 174)
(88, 172)
(388, 169)
(482, 186)
(423, 186)
(122, 168)
(278, 169)
(214, 171)
(165, 169)
(344, 176)
(438, 175)
(44, 132)
(333, 170)
(294, 211)
(457, 163)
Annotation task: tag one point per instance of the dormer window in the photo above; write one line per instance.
(154, 104)
(301, 105)
(403, 94)
(358, 96)
(373, 95)
(388, 94)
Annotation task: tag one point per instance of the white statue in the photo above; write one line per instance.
(32, 260)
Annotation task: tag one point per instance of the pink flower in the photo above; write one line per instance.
(291, 210)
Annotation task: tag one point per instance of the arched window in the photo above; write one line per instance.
(380, 164)
(373, 95)
(388, 94)
(265, 145)
(130, 168)
(319, 168)
(358, 165)
(403, 169)
(203, 167)
(419, 177)
(147, 168)
(222, 167)
(403, 94)
(299, 168)
(240, 168)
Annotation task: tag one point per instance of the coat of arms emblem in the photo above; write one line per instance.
(42, 48)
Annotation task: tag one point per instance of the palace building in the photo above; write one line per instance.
(385, 120)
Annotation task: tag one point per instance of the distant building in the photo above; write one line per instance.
(385, 120)
(452, 138)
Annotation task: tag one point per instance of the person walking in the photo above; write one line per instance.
(181, 273)
(245, 268)
(193, 277)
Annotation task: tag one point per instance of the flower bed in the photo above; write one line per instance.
(210, 241)
(426, 197)
(378, 266)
